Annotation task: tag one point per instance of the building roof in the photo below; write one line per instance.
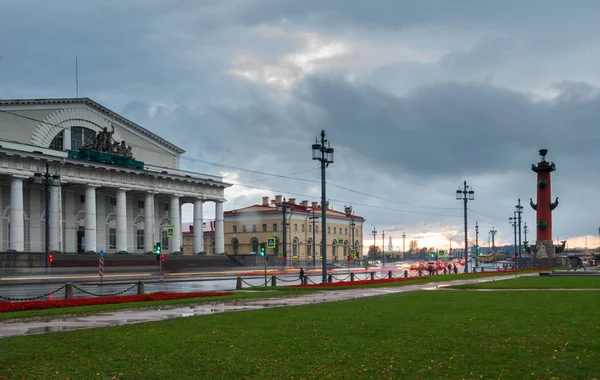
(138, 128)
(295, 207)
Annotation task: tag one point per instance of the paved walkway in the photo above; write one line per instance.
(124, 317)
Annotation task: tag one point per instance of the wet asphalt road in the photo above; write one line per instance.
(36, 284)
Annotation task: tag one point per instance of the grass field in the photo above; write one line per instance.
(538, 282)
(427, 334)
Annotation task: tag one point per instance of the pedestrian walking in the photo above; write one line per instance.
(301, 276)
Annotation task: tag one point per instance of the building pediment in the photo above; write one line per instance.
(39, 121)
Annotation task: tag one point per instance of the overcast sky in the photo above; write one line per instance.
(415, 97)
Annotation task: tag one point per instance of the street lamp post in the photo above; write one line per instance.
(323, 152)
(519, 211)
(314, 253)
(476, 244)
(383, 249)
(465, 195)
(284, 207)
(352, 224)
(404, 246)
(374, 241)
(513, 223)
(49, 180)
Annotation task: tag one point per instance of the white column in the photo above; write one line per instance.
(131, 211)
(70, 229)
(148, 222)
(100, 221)
(91, 242)
(219, 228)
(35, 227)
(1, 222)
(174, 207)
(54, 218)
(17, 226)
(198, 229)
(121, 220)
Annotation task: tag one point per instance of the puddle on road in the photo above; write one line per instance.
(46, 329)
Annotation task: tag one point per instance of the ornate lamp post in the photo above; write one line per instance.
(48, 180)
(322, 151)
(314, 253)
(465, 195)
(352, 225)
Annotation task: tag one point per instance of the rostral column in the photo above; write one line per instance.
(544, 205)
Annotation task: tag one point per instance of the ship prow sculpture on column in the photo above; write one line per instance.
(544, 246)
(103, 148)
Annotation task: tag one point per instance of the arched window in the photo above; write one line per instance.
(164, 241)
(81, 136)
(346, 248)
(333, 248)
(295, 247)
(309, 249)
(236, 245)
(357, 246)
(275, 249)
(254, 243)
(139, 239)
(58, 143)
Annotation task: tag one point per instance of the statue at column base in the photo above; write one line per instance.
(541, 251)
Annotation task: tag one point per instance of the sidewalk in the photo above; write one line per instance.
(124, 317)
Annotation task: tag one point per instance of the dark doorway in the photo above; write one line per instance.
(81, 240)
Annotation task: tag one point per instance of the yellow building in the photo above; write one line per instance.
(248, 228)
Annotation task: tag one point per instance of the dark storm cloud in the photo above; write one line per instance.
(452, 128)
(557, 15)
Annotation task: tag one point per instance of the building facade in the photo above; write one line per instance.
(248, 228)
(98, 203)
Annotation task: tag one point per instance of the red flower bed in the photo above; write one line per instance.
(362, 282)
(51, 304)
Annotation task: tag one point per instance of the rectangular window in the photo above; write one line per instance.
(140, 204)
(112, 238)
(274, 227)
(328, 230)
(243, 228)
(334, 230)
(264, 228)
(310, 228)
(254, 228)
(346, 231)
(295, 227)
(316, 228)
(303, 228)
(234, 229)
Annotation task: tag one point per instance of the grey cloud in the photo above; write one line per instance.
(513, 14)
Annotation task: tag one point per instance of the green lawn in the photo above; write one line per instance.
(538, 282)
(427, 334)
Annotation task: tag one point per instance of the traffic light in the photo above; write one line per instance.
(262, 250)
(162, 257)
(432, 255)
(51, 258)
(158, 249)
(478, 251)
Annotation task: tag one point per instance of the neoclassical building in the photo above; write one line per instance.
(113, 200)
(248, 228)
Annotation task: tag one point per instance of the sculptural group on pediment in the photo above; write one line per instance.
(104, 142)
